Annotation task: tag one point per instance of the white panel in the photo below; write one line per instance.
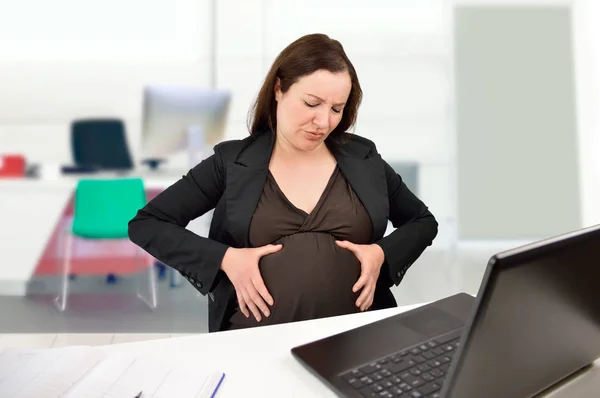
(363, 43)
(48, 143)
(434, 191)
(56, 92)
(240, 28)
(62, 91)
(133, 127)
(405, 140)
(435, 186)
(586, 31)
(128, 29)
(446, 237)
(243, 77)
(236, 131)
(403, 88)
(372, 27)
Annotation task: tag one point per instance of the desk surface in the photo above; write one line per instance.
(257, 362)
(160, 178)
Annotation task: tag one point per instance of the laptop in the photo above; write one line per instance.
(535, 321)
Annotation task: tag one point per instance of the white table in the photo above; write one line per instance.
(258, 362)
(29, 211)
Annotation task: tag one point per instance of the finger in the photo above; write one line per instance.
(252, 306)
(243, 306)
(360, 283)
(268, 249)
(362, 298)
(260, 287)
(366, 297)
(368, 301)
(346, 244)
(258, 301)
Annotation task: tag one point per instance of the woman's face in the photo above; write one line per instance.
(311, 108)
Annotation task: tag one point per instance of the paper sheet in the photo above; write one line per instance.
(29, 373)
(87, 372)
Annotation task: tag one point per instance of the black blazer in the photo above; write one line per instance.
(231, 182)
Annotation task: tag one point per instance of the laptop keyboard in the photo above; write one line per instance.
(415, 372)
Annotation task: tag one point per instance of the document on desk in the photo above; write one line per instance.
(44, 373)
(88, 372)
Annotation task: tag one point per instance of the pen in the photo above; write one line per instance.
(139, 395)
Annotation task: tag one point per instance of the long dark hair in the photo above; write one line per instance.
(304, 56)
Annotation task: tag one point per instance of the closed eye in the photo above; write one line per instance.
(315, 105)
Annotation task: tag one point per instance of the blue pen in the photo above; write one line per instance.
(139, 395)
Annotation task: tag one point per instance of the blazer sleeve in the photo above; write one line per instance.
(160, 227)
(415, 227)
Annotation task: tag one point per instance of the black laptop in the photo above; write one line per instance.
(535, 321)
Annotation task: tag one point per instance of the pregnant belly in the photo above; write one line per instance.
(310, 277)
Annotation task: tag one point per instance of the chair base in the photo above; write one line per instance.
(60, 306)
(145, 281)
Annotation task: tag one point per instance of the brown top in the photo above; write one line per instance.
(310, 277)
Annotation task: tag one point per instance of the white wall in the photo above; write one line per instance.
(57, 65)
(70, 59)
(587, 79)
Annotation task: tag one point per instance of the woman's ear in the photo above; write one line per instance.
(277, 89)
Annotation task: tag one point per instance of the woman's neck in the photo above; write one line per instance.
(285, 149)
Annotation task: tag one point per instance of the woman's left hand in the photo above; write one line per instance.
(371, 259)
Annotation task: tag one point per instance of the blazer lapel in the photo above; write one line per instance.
(367, 178)
(246, 177)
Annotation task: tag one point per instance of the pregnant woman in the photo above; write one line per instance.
(301, 206)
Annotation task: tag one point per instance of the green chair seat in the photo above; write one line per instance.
(103, 208)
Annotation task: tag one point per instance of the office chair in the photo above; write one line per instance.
(100, 144)
(103, 208)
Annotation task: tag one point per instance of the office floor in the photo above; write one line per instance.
(111, 315)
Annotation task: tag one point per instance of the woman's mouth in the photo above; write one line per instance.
(315, 134)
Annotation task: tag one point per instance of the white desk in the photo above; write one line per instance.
(29, 212)
(258, 362)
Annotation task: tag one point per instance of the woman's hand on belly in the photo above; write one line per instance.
(310, 277)
(371, 259)
(241, 267)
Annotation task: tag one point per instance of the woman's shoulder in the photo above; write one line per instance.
(230, 145)
(354, 145)
(253, 149)
(231, 148)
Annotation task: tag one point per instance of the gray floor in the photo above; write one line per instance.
(96, 307)
(116, 309)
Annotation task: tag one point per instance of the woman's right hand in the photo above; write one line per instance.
(241, 266)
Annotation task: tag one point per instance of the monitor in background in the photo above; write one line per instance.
(181, 118)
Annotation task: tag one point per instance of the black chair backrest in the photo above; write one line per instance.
(100, 144)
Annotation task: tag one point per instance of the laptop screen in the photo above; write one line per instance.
(538, 320)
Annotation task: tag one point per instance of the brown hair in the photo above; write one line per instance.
(303, 57)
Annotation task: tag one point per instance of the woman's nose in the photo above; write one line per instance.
(322, 119)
